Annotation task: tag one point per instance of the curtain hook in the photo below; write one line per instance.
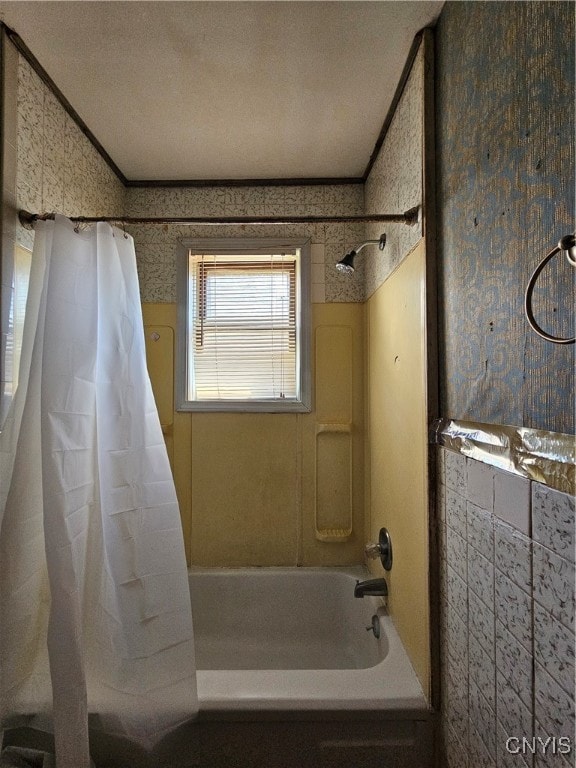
(124, 229)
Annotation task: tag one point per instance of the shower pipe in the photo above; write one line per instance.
(409, 217)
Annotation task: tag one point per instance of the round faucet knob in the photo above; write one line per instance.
(372, 550)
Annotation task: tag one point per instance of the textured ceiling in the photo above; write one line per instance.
(226, 90)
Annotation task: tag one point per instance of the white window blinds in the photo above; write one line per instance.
(243, 327)
(10, 364)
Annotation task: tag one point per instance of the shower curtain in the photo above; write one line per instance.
(95, 618)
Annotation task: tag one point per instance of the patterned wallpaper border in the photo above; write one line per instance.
(59, 169)
(156, 245)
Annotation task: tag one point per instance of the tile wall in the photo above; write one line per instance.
(507, 617)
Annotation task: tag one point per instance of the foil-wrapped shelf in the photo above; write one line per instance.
(546, 457)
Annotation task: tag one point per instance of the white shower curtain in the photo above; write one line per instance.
(94, 605)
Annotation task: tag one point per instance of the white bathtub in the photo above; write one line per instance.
(288, 677)
(281, 639)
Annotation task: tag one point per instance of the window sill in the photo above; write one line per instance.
(242, 406)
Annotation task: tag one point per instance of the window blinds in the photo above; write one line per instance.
(242, 327)
(13, 340)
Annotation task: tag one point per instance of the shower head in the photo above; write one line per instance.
(346, 265)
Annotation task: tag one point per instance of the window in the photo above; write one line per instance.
(243, 331)
(19, 266)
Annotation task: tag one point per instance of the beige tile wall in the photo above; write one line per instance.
(397, 449)
(259, 489)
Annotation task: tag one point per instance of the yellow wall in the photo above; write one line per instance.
(397, 478)
(271, 489)
(290, 489)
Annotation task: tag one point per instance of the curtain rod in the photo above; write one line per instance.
(410, 217)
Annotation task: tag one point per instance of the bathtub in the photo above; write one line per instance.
(288, 677)
(296, 639)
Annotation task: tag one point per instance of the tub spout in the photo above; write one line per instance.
(373, 587)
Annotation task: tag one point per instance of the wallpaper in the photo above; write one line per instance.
(505, 174)
(58, 169)
(395, 181)
(156, 246)
(505, 183)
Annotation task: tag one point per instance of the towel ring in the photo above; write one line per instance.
(566, 245)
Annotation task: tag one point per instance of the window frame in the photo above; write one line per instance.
(245, 246)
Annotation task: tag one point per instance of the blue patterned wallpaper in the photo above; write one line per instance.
(506, 176)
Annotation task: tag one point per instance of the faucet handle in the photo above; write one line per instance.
(383, 549)
(372, 550)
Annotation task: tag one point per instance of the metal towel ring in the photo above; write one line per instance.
(566, 245)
